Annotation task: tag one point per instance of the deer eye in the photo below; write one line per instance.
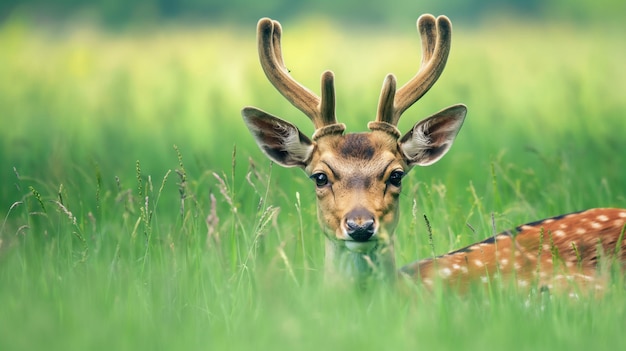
(320, 179)
(395, 178)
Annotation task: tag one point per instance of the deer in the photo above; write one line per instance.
(358, 180)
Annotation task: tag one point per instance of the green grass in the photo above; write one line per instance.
(114, 238)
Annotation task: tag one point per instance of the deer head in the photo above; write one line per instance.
(357, 176)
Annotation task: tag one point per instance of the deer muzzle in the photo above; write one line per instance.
(360, 225)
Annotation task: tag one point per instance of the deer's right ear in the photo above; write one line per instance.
(280, 140)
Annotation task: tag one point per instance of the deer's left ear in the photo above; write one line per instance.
(281, 141)
(432, 137)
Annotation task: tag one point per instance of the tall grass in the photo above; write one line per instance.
(138, 213)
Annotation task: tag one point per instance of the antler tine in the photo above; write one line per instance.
(427, 27)
(320, 111)
(435, 35)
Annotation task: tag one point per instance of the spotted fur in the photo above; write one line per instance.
(557, 253)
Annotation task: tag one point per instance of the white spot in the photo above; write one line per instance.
(549, 220)
(504, 262)
(478, 263)
(598, 287)
(456, 267)
(517, 265)
(526, 227)
(618, 223)
(428, 281)
(563, 225)
(522, 283)
(559, 233)
(484, 279)
(602, 218)
(581, 231)
(569, 264)
(445, 272)
(595, 225)
(463, 269)
(622, 214)
(546, 247)
(585, 277)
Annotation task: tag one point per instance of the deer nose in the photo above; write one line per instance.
(360, 225)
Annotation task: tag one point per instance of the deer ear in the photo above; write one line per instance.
(280, 140)
(432, 137)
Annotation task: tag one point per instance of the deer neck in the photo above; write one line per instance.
(343, 265)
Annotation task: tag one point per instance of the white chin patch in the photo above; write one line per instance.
(360, 247)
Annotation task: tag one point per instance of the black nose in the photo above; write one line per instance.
(360, 225)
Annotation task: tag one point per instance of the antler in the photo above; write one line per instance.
(320, 111)
(435, 35)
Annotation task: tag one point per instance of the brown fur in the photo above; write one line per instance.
(356, 181)
(356, 146)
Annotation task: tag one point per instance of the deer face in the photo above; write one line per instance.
(357, 177)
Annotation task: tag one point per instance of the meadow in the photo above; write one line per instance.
(137, 212)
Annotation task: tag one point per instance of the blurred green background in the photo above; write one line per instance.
(134, 203)
(116, 13)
